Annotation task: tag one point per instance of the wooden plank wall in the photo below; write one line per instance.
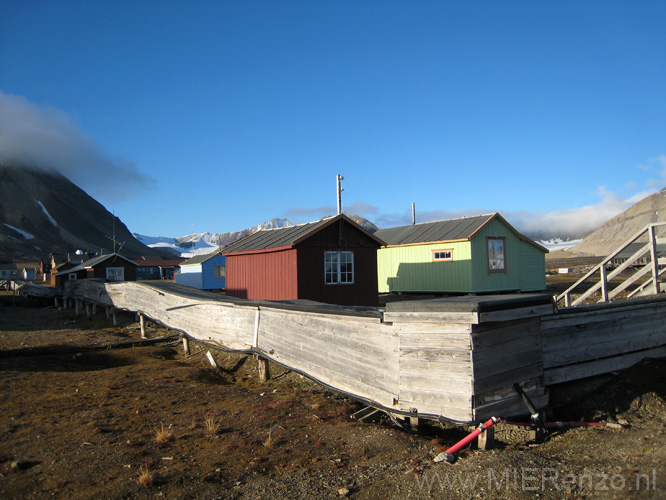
(586, 341)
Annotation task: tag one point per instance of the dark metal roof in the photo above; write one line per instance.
(446, 230)
(288, 236)
(274, 238)
(96, 260)
(198, 259)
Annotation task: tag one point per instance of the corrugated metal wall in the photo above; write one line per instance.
(410, 268)
(532, 268)
(269, 276)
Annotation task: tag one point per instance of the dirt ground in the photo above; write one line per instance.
(89, 412)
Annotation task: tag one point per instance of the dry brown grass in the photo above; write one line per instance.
(211, 424)
(146, 477)
(163, 434)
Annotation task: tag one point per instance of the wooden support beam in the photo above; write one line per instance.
(87, 309)
(142, 325)
(115, 318)
(211, 360)
(186, 346)
(77, 306)
(94, 308)
(108, 312)
(264, 370)
(55, 302)
(486, 440)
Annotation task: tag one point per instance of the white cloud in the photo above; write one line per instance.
(45, 138)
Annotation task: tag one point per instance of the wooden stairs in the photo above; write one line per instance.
(644, 253)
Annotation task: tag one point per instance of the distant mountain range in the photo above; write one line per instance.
(204, 243)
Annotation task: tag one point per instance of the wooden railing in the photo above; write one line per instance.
(652, 268)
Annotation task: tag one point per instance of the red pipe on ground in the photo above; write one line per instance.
(448, 454)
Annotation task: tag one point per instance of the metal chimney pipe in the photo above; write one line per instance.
(413, 213)
(340, 189)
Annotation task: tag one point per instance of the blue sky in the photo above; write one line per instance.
(216, 116)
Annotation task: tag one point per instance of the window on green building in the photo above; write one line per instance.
(496, 255)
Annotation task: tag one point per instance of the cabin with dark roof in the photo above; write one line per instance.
(105, 268)
(205, 272)
(480, 254)
(333, 260)
(157, 269)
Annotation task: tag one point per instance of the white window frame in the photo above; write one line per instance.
(220, 272)
(114, 273)
(442, 255)
(334, 262)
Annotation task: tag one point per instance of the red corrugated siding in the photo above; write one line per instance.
(269, 276)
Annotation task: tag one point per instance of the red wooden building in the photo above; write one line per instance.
(333, 260)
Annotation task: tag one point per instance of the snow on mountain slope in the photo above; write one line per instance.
(205, 243)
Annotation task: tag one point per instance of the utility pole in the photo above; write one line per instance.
(340, 189)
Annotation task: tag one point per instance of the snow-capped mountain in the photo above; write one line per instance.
(205, 243)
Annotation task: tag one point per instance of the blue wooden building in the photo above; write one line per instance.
(205, 272)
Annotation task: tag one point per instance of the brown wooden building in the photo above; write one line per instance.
(110, 267)
(333, 260)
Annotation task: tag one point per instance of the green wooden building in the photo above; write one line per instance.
(481, 254)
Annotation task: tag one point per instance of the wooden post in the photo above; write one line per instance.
(108, 312)
(186, 346)
(115, 318)
(653, 256)
(87, 309)
(142, 324)
(77, 306)
(211, 360)
(94, 308)
(414, 424)
(604, 283)
(55, 302)
(264, 370)
(486, 440)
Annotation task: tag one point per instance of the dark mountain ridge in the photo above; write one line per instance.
(43, 212)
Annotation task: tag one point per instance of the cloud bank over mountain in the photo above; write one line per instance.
(46, 138)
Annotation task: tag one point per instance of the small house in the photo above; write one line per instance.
(333, 260)
(28, 274)
(481, 254)
(157, 269)
(205, 272)
(109, 267)
(8, 271)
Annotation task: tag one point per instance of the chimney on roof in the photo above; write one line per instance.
(340, 189)
(413, 213)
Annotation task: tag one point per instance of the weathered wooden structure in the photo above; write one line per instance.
(454, 359)
(451, 360)
(644, 252)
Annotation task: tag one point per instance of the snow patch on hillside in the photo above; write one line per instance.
(26, 235)
(46, 212)
(559, 244)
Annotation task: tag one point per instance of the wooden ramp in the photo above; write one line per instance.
(454, 360)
